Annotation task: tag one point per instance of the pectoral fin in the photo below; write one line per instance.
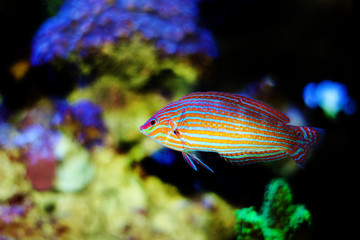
(190, 158)
(247, 157)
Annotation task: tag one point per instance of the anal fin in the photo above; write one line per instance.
(247, 157)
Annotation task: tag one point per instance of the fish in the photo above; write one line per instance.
(240, 129)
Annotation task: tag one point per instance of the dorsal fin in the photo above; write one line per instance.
(227, 97)
(264, 109)
(252, 106)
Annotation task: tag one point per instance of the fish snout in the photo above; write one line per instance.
(142, 129)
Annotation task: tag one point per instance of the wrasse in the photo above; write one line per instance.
(240, 129)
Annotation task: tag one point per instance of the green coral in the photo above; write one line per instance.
(74, 170)
(278, 218)
(135, 62)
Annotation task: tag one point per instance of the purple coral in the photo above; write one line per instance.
(9, 213)
(88, 113)
(38, 144)
(81, 25)
(86, 116)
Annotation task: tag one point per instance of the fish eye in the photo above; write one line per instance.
(153, 122)
(298, 134)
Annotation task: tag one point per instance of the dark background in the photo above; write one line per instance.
(294, 42)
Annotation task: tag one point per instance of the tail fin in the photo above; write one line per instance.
(308, 139)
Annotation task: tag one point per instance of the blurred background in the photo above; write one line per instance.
(78, 79)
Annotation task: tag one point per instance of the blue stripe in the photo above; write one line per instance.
(242, 112)
(235, 138)
(236, 125)
(178, 113)
(227, 122)
(211, 147)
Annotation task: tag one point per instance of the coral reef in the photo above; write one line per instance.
(125, 46)
(82, 26)
(96, 191)
(278, 218)
(50, 139)
(119, 202)
(76, 87)
(70, 166)
(125, 109)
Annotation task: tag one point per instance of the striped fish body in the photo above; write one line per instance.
(242, 130)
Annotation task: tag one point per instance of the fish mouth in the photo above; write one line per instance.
(142, 130)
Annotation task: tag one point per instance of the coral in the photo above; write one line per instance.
(88, 113)
(120, 204)
(12, 174)
(20, 218)
(125, 110)
(139, 55)
(278, 217)
(126, 47)
(7, 135)
(36, 143)
(98, 192)
(83, 119)
(134, 64)
(85, 25)
(75, 170)
(331, 96)
(50, 141)
(9, 213)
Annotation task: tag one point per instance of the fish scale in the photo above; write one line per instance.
(240, 129)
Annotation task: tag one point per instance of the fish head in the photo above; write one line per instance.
(160, 128)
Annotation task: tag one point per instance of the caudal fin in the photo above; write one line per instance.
(309, 138)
